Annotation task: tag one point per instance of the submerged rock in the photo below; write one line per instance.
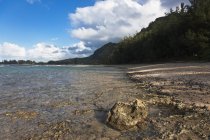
(124, 116)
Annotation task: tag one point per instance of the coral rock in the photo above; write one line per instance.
(124, 116)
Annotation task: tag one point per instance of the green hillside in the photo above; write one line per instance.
(182, 34)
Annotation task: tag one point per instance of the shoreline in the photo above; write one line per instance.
(177, 80)
(178, 95)
(85, 116)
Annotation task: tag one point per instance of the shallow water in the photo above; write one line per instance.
(34, 97)
(72, 102)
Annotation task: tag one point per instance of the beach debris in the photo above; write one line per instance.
(124, 116)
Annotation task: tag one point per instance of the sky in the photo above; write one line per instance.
(44, 30)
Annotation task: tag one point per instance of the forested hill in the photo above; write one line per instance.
(183, 34)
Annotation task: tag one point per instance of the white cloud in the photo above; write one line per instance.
(111, 20)
(80, 50)
(43, 52)
(11, 51)
(32, 1)
(46, 52)
(105, 21)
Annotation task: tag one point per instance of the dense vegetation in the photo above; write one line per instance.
(183, 34)
(18, 62)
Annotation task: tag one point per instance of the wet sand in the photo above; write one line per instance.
(179, 98)
(188, 82)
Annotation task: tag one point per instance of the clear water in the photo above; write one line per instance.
(35, 95)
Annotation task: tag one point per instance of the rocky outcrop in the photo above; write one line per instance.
(124, 116)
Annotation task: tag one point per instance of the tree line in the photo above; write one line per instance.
(182, 34)
(21, 62)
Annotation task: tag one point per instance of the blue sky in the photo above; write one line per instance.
(28, 23)
(44, 30)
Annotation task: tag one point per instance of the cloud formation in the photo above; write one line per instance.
(105, 21)
(79, 49)
(11, 51)
(111, 20)
(43, 52)
(46, 52)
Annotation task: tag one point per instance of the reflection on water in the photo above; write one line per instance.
(31, 96)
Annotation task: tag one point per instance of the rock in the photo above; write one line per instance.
(124, 116)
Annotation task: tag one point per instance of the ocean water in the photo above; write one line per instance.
(36, 96)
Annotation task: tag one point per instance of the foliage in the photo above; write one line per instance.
(18, 62)
(182, 34)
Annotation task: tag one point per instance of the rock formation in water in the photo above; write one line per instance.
(124, 116)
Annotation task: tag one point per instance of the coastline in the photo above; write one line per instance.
(85, 116)
(169, 116)
(178, 95)
(188, 82)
